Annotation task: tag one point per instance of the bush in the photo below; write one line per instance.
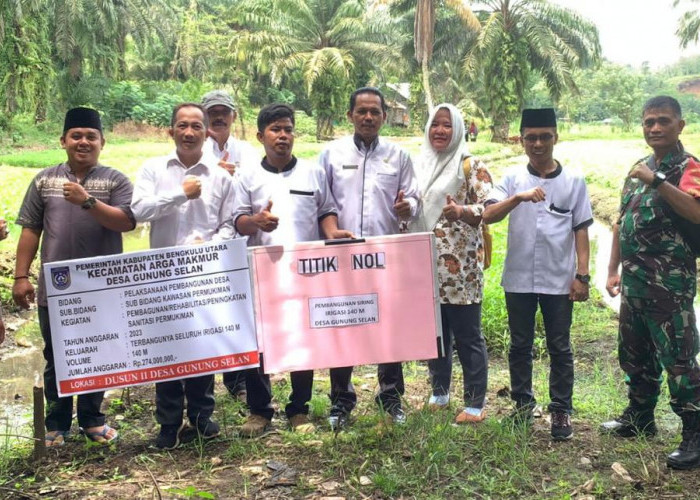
(157, 113)
(121, 99)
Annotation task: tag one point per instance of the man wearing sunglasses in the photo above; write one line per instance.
(546, 264)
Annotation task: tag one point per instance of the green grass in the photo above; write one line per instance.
(429, 457)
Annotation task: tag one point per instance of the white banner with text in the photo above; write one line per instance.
(151, 316)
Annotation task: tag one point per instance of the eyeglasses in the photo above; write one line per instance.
(533, 138)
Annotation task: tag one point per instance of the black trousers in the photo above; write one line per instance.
(170, 399)
(59, 411)
(259, 392)
(556, 312)
(234, 381)
(463, 323)
(391, 387)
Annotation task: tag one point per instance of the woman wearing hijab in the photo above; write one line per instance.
(452, 208)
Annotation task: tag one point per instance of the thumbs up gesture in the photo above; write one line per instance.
(265, 220)
(402, 207)
(226, 165)
(452, 211)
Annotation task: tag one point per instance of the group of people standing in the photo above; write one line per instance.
(215, 187)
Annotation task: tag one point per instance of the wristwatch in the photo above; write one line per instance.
(584, 278)
(89, 203)
(659, 177)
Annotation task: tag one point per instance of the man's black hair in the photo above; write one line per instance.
(367, 90)
(188, 105)
(272, 113)
(663, 101)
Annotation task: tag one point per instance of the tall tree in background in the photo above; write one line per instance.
(328, 40)
(520, 36)
(688, 25)
(454, 24)
(25, 61)
(92, 35)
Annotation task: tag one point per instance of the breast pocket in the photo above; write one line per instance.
(387, 181)
(303, 205)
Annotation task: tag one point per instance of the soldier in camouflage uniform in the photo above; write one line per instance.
(657, 320)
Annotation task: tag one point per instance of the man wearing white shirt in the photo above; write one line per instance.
(282, 201)
(230, 153)
(234, 156)
(546, 264)
(374, 186)
(186, 202)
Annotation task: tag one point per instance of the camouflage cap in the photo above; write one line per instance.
(217, 98)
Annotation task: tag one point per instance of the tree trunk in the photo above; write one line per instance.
(324, 128)
(499, 130)
(426, 84)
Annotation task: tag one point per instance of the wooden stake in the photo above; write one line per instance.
(39, 427)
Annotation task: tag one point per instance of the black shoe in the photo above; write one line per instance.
(168, 437)
(205, 428)
(339, 419)
(521, 416)
(397, 414)
(632, 423)
(561, 426)
(687, 455)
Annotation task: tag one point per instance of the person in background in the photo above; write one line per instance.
(454, 186)
(231, 154)
(3, 235)
(77, 209)
(546, 264)
(187, 201)
(473, 131)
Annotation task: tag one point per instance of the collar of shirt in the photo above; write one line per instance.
(673, 157)
(361, 144)
(274, 170)
(215, 144)
(550, 175)
(71, 175)
(173, 160)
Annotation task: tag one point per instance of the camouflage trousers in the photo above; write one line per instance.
(658, 334)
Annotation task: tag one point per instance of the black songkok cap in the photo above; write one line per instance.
(536, 118)
(82, 118)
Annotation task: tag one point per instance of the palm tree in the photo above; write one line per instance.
(332, 42)
(93, 34)
(25, 62)
(523, 36)
(440, 28)
(688, 25)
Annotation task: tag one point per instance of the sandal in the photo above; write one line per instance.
(101, 436)
(55, 438)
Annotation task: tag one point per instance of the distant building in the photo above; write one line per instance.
(397, 96)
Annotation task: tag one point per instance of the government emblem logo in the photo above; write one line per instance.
(60, 277)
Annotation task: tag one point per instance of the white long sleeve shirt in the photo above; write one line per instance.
(365, 183)
(241, 153)
(160, 199)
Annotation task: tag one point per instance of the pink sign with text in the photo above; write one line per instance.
(320, 305)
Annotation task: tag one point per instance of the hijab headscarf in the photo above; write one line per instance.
(440, 173)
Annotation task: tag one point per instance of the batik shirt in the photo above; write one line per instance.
(460, 247)
(68, 231)
(656, 260)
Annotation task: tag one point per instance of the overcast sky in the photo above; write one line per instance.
(634, 31)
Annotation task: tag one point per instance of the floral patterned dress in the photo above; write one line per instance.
(460, 247)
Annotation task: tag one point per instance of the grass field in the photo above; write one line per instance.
(429, 457)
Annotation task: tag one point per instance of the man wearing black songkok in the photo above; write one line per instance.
(81, 208)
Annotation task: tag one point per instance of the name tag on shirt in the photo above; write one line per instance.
(350, 167)
(301, 193)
